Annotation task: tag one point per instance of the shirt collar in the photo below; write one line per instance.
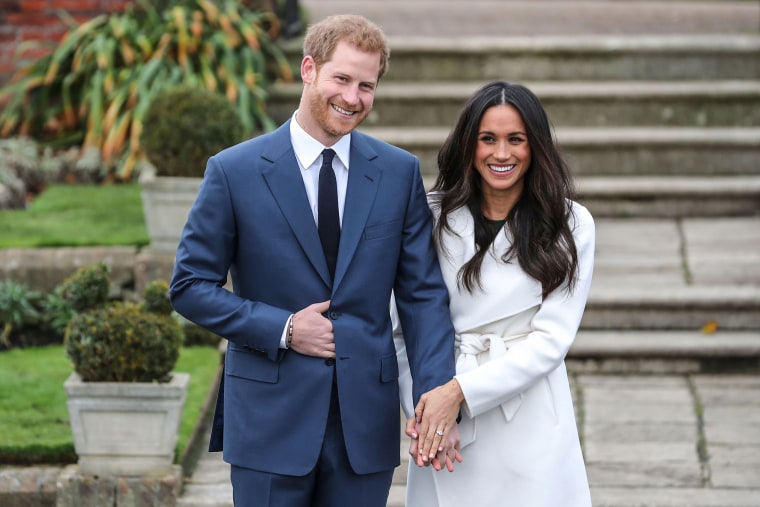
(308, 149)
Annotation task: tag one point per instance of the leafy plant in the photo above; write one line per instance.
(87, 288)
(171, 139)
(120, 341)
(95, 86)
(156, 298)
(197, 335)
(123, 343)
(57, 312)
(17, 308)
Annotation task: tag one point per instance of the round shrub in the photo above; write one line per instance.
(184, 126)
(123, 343)
(156, 298)
(87, 287)
(196, 335)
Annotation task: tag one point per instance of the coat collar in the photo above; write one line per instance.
(506, 289)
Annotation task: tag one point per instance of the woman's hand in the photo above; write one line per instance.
(445, 457)
(436, 415)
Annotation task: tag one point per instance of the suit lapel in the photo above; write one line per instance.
(363, 179)
(286, 184)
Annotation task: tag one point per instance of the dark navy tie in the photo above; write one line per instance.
(327, 209)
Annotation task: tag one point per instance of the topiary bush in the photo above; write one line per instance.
(87, 288)
(184, 126)
(120, 341)
(123, 343)
(196, 335)
(156, 298)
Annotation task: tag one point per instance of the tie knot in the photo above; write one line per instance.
(327, 157)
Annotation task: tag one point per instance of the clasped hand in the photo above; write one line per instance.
(433, 430)
(313, 332)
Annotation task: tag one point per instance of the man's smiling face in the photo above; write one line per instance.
(338, 95)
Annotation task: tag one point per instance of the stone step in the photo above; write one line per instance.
(670, 196)
(665, 196)
(542, 17)
(658, 351)
(666, 307)
(568, 103)
(569, 57)
(619, 151)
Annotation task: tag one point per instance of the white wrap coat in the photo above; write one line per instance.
(520, 444)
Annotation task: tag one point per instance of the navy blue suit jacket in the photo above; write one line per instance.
(252, 219)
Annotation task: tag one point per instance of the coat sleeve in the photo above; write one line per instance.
(553, 330)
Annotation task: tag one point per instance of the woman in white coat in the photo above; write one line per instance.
(517, 256)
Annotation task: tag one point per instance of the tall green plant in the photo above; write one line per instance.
(17, 308)
(95, 86)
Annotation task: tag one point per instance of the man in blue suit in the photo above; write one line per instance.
(310, 402)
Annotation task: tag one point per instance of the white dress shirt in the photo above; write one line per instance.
(309, 156)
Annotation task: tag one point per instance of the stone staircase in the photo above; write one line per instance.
(663, 134)
(652, 126)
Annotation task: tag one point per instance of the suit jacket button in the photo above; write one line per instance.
(330, 361)
(334, 315)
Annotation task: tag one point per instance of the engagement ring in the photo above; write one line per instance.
(439, 433)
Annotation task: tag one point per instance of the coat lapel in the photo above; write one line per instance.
(286, 184)
(506, 290)
(363, 179)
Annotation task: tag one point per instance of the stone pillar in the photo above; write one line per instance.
(151, 265)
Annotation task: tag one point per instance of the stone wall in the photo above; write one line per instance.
(51, 486)
(42, 269)
(39, 20)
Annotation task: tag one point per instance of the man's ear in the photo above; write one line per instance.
(308, 69)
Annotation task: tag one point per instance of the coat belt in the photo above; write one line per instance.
(476, 349)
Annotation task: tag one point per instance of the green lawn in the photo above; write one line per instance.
(77, 215)
(34, 422)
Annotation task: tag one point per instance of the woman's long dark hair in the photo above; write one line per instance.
(539, 223)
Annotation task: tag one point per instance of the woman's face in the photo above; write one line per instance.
(502, 154)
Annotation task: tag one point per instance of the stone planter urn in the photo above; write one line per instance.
(125, 428)
(166, 204)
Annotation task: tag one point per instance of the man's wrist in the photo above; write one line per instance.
(289, 333)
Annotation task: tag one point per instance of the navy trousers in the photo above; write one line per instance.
(332, 483)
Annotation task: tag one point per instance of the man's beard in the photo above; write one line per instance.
(321, 110)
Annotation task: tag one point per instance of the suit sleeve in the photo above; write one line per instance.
(404, 373)
(422, 298)
(204, 256)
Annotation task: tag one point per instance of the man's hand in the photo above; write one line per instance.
(436, 415)
(313, 332)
